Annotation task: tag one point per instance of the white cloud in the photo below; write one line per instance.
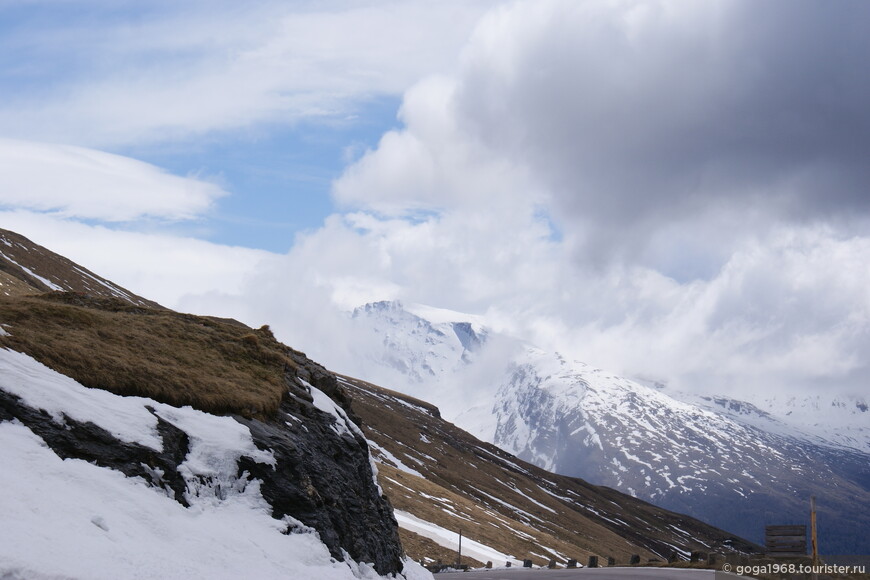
(185, 70)
(702, 164)
(159, 266)
(84, 183)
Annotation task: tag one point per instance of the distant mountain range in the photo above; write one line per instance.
(729, 462)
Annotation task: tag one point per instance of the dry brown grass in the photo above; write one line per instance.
(12, 286)
(180, 359)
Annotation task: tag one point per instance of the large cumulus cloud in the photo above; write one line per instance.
(637, 115)
(695, 172)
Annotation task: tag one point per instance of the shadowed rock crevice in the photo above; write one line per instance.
(324, 480)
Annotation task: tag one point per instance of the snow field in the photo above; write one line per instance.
(70, 519)
(449, 539)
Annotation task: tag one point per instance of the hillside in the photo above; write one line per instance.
(318, 469)
(442, 480)
(109, 402)
(27, 268)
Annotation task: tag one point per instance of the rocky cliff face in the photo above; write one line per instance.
(323, 474)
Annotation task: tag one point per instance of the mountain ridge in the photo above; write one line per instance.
(688, 454)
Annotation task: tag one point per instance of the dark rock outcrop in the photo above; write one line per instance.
(325, 481)
(323, 475)
(72, 439)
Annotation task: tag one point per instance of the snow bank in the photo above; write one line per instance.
(449, 539)
(70, 519)
(126, 418)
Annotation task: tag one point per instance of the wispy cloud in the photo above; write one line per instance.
(132, 74)
(84, 183)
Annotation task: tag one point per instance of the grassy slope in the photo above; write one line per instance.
(215, 366)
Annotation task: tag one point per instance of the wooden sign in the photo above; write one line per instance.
(785, 540)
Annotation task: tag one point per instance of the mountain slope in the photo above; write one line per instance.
(108, 403)
(442, 480)
(318, 472)
(211, 424)
(241, 447)
(27, 268)
(581, 421)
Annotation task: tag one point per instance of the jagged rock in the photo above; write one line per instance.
(325, 481)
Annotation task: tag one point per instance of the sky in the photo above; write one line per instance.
(673, 190)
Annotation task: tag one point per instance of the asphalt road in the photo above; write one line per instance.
(587, 574)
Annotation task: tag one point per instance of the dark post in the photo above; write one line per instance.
(572, 563)
(459, 552)
(527, 563)
(611, 561)
(712, 559)
(635, 559)
(552, 564)
(593, 561)
(813, 537)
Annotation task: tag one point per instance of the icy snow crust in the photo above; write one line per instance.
(71, 519)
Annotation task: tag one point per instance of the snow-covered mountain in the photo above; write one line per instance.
(736, 464)
(421, 348)
(422, 343)
(841, 420)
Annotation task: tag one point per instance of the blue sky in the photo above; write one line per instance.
(666, 188)
(279, 179)
(278, 173)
